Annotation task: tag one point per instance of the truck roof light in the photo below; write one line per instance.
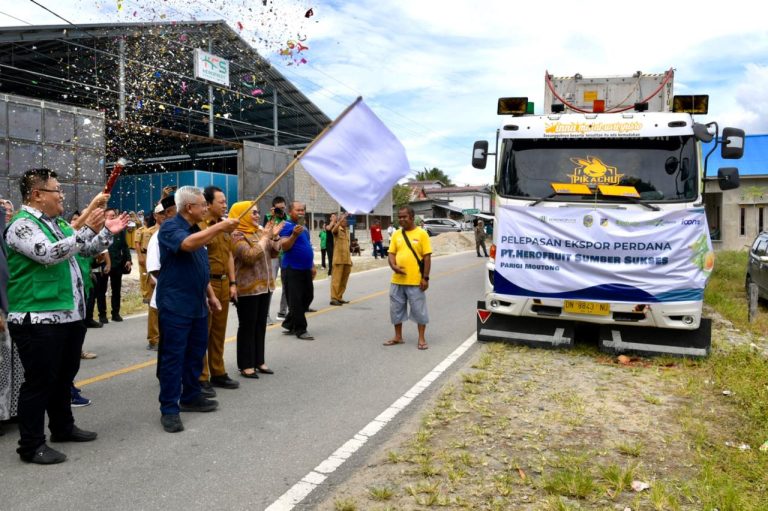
(598, 106)
(677, 124)
(512, 106)
(641, 107)
(698, 104)
(627, 116)
(558, 108)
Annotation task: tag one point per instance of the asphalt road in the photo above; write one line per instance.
(268, 434)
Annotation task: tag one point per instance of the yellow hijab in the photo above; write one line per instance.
(246, 223)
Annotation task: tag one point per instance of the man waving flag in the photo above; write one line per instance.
(357, 160)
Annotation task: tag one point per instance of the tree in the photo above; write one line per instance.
(434, 174)
(401, 196)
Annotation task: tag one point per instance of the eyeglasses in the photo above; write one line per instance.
(55, 190)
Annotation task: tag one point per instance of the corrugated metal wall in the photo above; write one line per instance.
(141, 192)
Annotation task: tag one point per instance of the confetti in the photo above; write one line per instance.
(309, 13)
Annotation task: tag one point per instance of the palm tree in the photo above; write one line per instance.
(434, 174)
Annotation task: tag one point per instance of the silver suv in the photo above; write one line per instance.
(757, 266)
(439, 225)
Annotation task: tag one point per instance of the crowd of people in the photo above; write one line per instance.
(195, 258)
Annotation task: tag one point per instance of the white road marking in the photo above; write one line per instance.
(316, 477)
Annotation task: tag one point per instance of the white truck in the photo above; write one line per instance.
(599, 216)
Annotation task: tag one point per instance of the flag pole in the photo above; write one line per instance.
(295, 160)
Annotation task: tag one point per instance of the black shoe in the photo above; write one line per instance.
(336, 302)
(344, 301)
(200, 405)
(281, 315)
(311, 310)
(103, 320)
(305, 336)
(117, 317)
(224, 381)
(44, 455)
(76, 435)
(172, 423)
(90, 323)
(206, 389)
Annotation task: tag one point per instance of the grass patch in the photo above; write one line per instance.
(633, 449)
(345, 504)
(571, 482)
(381, 493)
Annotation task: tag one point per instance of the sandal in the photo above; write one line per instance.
(253, 375)
(423, 346)
(87, 355)
(392, 342)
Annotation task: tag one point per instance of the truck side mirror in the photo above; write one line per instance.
(480, 154)
(728, 178)
(732, 144)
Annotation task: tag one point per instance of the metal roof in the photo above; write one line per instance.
(166, 108)
(753, 163)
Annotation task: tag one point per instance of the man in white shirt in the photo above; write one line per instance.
(164, 211)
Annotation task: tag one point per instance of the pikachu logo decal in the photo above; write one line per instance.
(592, 170)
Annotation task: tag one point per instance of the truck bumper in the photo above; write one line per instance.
(613, 338)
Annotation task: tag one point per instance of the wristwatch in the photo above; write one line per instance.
(425, 278)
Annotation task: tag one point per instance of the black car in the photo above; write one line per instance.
(757, 265)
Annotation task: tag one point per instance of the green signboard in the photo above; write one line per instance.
(470, 211)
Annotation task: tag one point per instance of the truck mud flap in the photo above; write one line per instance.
(657, 341)
(535, 332)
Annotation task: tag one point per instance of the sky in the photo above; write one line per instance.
(433, 71)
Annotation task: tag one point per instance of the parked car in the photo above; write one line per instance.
(757, 266)
(440, 225)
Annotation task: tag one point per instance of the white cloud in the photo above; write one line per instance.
(433, 70)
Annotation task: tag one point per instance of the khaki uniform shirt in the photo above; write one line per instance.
(341, 254)
(219, 249)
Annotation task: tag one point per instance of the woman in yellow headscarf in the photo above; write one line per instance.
(252, 248)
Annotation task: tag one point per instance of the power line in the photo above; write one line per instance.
(14, 17)
(47, 9)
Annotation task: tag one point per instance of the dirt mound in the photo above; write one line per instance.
(450, 242)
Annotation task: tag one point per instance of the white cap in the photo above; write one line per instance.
(159, 208)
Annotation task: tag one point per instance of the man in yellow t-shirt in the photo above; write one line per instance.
(409, 282)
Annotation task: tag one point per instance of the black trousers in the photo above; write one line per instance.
(116, 283)
(301, 292)
(322, 256)
(251, 329)
(50, 355)
(97, 296)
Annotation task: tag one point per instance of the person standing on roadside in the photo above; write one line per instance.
(323, 235)
(410, 257)
(184, 295)
(46, 309)
(480, 238)
(377, 240)
(222, 268)
(342, 261)
(141, 242)
(165, 210)
(277, 215)
(329, 242)
(252, 248)
(120, 258)
(299, 269)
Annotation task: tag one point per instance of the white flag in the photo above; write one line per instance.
(358, 161)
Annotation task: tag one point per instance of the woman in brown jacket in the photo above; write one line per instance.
(252, 248)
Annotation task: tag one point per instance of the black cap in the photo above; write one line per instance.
(167, 202)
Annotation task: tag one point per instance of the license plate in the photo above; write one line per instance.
(593, 308)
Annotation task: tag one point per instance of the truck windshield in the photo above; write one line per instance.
(660, 169)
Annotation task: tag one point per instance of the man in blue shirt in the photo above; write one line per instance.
(298, 266)
(183, 297)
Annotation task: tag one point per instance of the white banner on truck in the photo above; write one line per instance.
(616, 255)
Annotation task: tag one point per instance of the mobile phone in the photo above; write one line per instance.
(301, 220)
